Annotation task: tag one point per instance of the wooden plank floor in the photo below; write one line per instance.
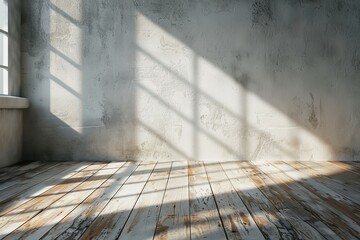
(180, 200)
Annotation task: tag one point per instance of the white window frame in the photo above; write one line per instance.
(4, 53)
(7, 101)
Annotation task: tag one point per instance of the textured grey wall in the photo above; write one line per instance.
(11, 119)
(10, 136)
(184, 80)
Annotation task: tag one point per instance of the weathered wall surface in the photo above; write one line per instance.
(10, 136)
(11, 119)
(185, 80)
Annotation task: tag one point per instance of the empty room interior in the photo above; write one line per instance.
(179, 119)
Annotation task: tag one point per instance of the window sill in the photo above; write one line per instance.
(13, 102)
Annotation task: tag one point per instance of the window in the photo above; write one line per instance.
(4, 34)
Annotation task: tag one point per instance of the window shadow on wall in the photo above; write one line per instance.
(296, 80)
(76, 80)
(144, 80)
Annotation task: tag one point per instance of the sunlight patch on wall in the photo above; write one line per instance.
(274, 131)
(164, 93)
(189, 108)
(65, 63)
(65, 31)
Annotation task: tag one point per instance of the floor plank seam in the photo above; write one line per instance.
(279, 210)
(89, 194)
(216, 204)
(161, 205)
(52, 203)
(120, 232)
(174, 200)
(113, 196)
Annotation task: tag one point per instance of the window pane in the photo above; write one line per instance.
(3, 81)
(4, 15)
(4, 49)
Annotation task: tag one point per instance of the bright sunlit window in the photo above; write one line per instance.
(4, 34)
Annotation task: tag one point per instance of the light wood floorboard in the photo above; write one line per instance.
(180, 200)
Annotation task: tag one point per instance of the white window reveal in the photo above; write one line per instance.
(4, 46)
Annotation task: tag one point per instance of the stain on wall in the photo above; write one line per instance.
(191, 80)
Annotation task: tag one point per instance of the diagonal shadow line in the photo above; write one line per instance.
(65, 86)
(172, 146)
(66, 58)
(213, 138)
(202, 93)
(64, 14)
(198, 46)
(183, 80)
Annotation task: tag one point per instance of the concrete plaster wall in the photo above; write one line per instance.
(10, 136)
(11, 119)
(192, 80)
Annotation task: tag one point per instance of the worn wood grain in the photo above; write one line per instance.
(76, 223)
(343, 226)
(204, 216)
(26, 180)
(327, 180)
(111, 220)
(347, 166)
(237, 220)
(303, 222)
(180, 200)
(10, 172)
(334, 199)
(17, 217)
(271, 222)
(142, 220)
(348, 177)
(7, 197)
(14, 175)
(173, 222)
(40, 224)
(42, 187)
